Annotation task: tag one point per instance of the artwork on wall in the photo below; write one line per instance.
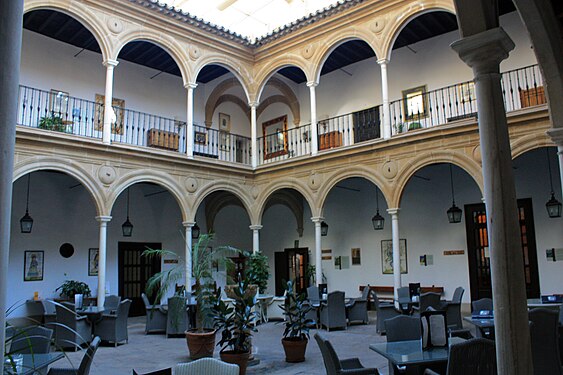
(275, 137)
(200, 138)
(224, 122)
(93, 261)
(58, 102)
(415, 103)
(326, 254)
(387, 256)
(33, 265)
(356, 256)
(118, 108)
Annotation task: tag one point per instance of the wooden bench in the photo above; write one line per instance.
(388, 291)
(161, 139)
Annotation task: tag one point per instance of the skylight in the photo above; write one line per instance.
(250, 18)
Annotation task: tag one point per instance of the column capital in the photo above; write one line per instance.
(317, 219)
(253, 103)
(383, 61)
(393, 211)
(110, 62)
(255, 227)
(190, 85)
(556, 135)
(312, 84)
(484, 51)
(103, 219)
(188, 224)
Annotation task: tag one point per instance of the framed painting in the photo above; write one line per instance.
(356, 256)
(275, 137)
(33, 265)
(118, 106)
(58, 103)
(415, 103)
(93, 261)
(466, 92)
(387, 256)
(200, 138)
(224, 122)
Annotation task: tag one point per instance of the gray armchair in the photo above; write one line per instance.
(357, 308)
(429, 299)
(28, 340)
(453, 309)
(482, 304)
(335, 366)
(85, 364)
(113, 327)
(156, 316)
(402, 328)
(384, 311)
(545, 345)
(332, 313)
(71, 330)
(111, 304)
(177, 318)
(471, 357)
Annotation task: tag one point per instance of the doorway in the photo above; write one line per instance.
(292, 264)
(478, 250)
(134, 270)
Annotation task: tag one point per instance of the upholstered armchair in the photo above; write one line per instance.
(113, 327)
(332, 313)
(156, 316)
(72, 330)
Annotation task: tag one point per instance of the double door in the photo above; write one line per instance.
(292, 264)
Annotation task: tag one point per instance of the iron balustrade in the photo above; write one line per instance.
(225, 146)
(285, 144)
(522, 88)
(59, 112)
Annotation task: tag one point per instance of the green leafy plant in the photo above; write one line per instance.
(72, 287)
(52, 122)
(295, 310)
(415, 125)
(258, 271)
(399, 127)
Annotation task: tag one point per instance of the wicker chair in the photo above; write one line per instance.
(385, 311)
(402, 328)
(453, 309)
(34, 339)
(49, 313)
(207, 366)
(471, 357)
(429, 299)
(544, 338)
(357, 308)
(177, 318)
(71, 330)
(111, 304)
(156, 316)
(335, 366)
(85, 364)
(273, 310)
(332, 313)
(482, 304)
(113, 328)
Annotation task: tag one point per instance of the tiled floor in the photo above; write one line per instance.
(151, 352)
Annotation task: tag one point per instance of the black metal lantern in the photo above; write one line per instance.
(454, 213)
(195, 232)
(26, 222)
(324, 229)
(553, 206)
(127, 227)
(378, 220)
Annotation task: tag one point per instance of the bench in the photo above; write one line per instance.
(386, 292)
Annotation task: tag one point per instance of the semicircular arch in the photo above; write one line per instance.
(267, 72)
(236, 190)
(528, 143)
(240, 73)
(270, 189)
(217, 97)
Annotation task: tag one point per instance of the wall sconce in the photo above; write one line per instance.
(454, 213)
(553, 206)
(127, 227)
(26, 222)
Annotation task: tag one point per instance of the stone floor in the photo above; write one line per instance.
(150, 352)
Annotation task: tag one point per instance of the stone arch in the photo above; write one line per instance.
(241, 74)
(280, 99)
(288, 97)
(530, 142)
(146, 175)
(79, 12)
(272, 68)
(170, 45)
(70, 168)
(217, 97)
(268, 191)
(462, 161)
(237, 191)
(409, 13)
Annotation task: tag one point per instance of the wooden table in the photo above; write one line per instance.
(33, 363)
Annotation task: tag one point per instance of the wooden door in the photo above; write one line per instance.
(297, 263)
(478, 249)
(280, 271)
(134, 271)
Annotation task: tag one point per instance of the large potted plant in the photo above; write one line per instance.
(237, 325)
(258, 271)
(70, 288)
(296, 332)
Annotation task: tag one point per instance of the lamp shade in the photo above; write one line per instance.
(454, 214)
(553, 207)
(195, 232)
(378, 221)
(324, 229)
(127, 228)
(26, 223)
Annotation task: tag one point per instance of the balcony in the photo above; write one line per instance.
(75, 117)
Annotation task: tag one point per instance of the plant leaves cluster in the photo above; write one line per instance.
(295, 310)
(72, 287)
(52, 122)
(258, 271)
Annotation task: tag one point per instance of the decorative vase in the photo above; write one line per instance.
(294, 348)
(201, 344)
(239, 359)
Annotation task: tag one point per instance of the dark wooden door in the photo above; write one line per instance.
(478, 249)
(297, 263)
(366, 124)
(134, 271)
(281, 271)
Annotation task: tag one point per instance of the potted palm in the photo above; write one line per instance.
(237, 325)
(296, 333)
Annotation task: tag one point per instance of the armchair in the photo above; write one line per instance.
(177, 318)
(471, 357)
(156, 316)
(85, 364)
(111, 304)
(332, 313)
(31, 340)
(206, 366)
(113, 327)
(357, 308)
(336, 366)
(384, 311)
(71, 330)
(427, 300)
(545, 345)
(273, 310)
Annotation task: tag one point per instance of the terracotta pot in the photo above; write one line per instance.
(201, 344)
(240, 359)
(294, 348)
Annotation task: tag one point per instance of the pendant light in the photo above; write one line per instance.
(454, 213)
(324, 229)
(26, 222)
(553, 206)
(195, 232)
(127, 227)
(378, 220)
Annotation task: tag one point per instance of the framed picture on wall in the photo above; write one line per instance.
(387, 256)
(224, 122)
(93, 261)
(275, 137)
(415, 103)
(356, 256)
(33, 265)
(200, 138)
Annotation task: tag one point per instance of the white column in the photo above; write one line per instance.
(394, 212)
(190, 121)
(109, 64)
(560, 153)
(556, 135)
(188, 225)
(253, 137)
(314, 130)
(318, 267)
(103, 220)
(255, 237)
(386, 125)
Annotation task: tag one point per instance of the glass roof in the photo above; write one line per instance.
(250, 18)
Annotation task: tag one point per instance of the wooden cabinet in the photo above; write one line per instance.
(161, 139)
(330, 140)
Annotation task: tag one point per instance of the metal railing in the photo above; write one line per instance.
(56, 111)
(522, 88)
(225, 146)
(285, 144)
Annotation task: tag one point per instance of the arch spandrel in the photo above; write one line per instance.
(528, 143)
(70, 168)
(241, 192)
(469, 165)
(267, 71)
(82, 13)
(292, 183)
